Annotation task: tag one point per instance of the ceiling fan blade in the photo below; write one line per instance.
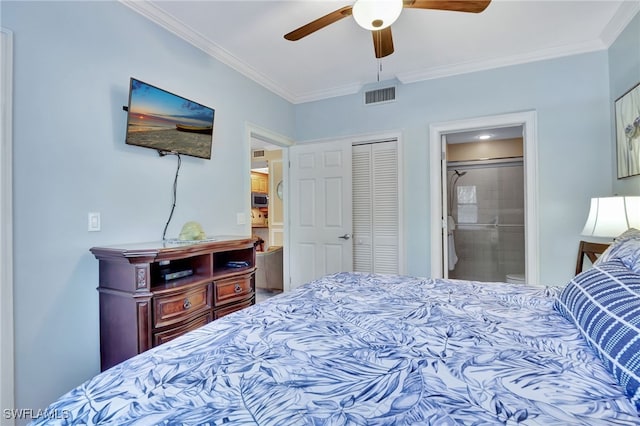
(382, 42)
(472, 6)
(319, 23)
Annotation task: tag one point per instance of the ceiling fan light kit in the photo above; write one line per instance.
(376, 14)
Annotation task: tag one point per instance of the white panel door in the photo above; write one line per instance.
(320, 235)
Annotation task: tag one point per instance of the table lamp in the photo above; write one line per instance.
(611, 216)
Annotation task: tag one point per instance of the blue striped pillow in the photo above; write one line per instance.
(604, 303)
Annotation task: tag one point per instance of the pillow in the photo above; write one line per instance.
(604, 303)
(626, 247)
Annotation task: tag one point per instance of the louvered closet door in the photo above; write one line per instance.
(375, 207)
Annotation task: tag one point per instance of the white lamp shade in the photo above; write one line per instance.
(611, 216)
(376, 14)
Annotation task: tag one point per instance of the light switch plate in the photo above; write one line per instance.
(94, 222)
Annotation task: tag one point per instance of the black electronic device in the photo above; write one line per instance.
(169, 274)
(237, 264)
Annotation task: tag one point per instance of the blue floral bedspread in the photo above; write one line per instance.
(357, 349)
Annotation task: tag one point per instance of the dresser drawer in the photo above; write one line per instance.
(165, 336)
(232, 289)
(219, 313)
(171, 308)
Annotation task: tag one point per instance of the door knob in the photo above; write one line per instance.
(345, 236)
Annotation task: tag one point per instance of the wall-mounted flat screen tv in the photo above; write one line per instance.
(167, 122)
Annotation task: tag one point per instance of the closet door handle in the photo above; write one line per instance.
(345, 236)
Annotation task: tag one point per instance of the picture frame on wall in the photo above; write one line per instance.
(627, 117)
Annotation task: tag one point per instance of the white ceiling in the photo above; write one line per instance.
(339, 59)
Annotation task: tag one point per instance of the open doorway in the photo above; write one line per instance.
(267, 217)
(484, 201)
(438, 178)
(268, 176)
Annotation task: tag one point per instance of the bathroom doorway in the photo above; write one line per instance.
(485, 205)
(526, 122)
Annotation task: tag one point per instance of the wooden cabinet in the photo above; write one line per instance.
(259, 182)
(154, 292)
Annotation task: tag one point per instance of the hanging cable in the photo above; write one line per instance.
(175, 190)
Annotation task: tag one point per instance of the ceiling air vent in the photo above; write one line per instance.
(388, 94)
(257, 154)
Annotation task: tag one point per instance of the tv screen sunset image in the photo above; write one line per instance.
(164, 121)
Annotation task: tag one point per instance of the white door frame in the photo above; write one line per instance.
(266, 135)
(444, 205)
(6, 225)
(528, 120)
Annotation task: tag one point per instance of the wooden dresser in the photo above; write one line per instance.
(153, 292)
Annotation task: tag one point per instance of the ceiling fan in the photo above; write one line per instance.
(378, 15)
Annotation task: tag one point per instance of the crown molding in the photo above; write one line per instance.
(333, 92)
(625, 13)
(620, 20)
(475, 66)
(180, 29)
(177, 27)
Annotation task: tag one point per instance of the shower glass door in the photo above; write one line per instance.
(486, 240)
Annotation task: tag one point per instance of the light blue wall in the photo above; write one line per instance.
(72, 64)
(624, 69)
(571, 98)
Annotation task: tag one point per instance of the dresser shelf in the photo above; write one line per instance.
(151, 293)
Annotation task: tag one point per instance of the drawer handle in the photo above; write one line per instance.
(237, 288)
(186, 304)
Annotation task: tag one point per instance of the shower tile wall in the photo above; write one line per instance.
(493, 245)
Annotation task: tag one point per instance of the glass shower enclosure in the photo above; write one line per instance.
(486, 220)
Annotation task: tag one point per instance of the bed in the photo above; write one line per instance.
(368, 349)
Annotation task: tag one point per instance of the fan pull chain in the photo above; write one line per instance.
(379, 43)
